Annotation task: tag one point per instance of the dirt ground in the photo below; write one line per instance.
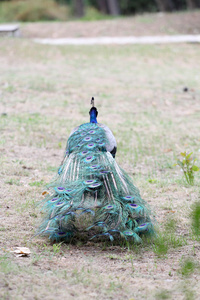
(140, 25)
(45, 91)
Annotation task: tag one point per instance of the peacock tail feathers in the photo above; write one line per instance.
(92, 193)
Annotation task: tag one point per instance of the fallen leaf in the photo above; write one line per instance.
(22, 251)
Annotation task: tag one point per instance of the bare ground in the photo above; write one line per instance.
(44, 93)
(140, 25)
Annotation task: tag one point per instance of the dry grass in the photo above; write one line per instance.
(45, 92)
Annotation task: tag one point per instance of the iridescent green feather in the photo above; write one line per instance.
(89, 182)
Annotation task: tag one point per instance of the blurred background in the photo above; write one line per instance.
(148, 95)
(62, 10)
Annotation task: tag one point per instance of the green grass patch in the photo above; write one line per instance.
(37, 183)
(13, 181)
(188, 266)
(167, 239)
(195, 220)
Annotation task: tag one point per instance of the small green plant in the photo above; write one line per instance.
(170, 225)
(37, 183)
(167, 239)
(36, 258)
(60, 145)
(56, 248)
(189, 294)
(163, 294)
(188, 267)
(188, 166)
(7, 266)
(114, 257)
(195, 218)
(13, 181)
(151, 180)
(160, 245)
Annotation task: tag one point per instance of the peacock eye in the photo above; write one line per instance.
(93, 185)
(60, 188)
(89, 159)
(128, 198)
(129, 233)
(84, 152)
(54, 200)
(91, 145)
(89, 181)
(104, 172)
(60, 203)
(87, 138)
(109, 207)
(62, 234)
(142, 225)
(133, 205)
(92, 131)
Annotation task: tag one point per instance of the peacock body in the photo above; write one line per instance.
(91, 192)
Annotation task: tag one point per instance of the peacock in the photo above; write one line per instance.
(91, 193)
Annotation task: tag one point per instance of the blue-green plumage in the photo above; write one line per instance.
(90, 183)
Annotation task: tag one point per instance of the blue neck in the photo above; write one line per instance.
(93, 118)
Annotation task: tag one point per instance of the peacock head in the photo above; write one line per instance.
(93, 112)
